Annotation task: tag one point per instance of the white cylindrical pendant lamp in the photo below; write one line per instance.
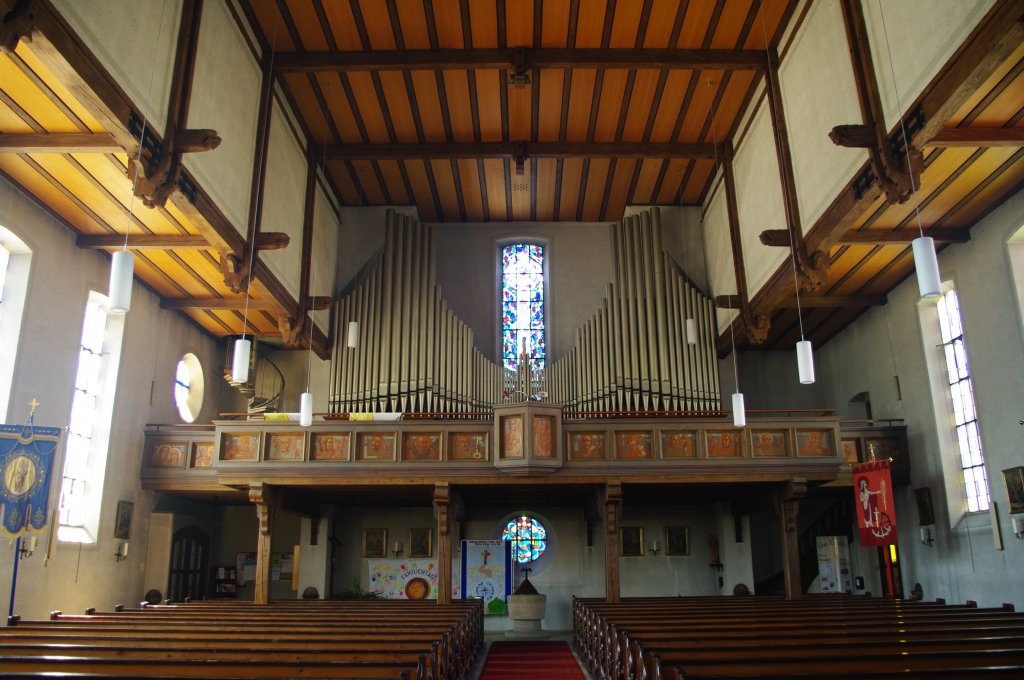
(691, 331)
(122, 268)
(739, 411)
(240, 361)
(926, 263)
(805, 361)
(353, 335)
(306, 409)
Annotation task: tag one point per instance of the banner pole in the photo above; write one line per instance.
(14, 575)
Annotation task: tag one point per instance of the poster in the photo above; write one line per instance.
(487, 573)
(834, 564)
(404, 579)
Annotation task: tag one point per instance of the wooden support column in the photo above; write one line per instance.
(266, 500)
(787, 505)
(443, 511)
(612, 511)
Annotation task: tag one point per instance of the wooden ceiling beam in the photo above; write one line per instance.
(515, 150)
(978, 137)
(518, 59)
(230, 304)
(901, 236)
(58, 142)
(835, 302)
(264, 241)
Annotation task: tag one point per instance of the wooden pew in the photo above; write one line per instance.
(368, 640)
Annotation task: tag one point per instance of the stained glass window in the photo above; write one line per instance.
(522, 304)
(528, 536)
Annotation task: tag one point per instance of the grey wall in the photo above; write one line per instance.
(886, 343)
(61, 277)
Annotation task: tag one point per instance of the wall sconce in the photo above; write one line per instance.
(926, 536)
(654, 548)
(26, 548)
(1018, 527)
(397, 549)
(121, 553)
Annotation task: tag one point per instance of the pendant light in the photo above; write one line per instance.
(122, 263)
(804, 349)
(926, 262)
(739, 409)
(353, 335)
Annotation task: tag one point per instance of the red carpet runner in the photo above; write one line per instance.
(528, 660)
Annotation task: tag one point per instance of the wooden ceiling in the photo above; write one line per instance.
(426, 102)
(417, 103)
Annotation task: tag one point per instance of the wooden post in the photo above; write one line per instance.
(788, 505)
(612, 510)
(266, 502)
(443, 513)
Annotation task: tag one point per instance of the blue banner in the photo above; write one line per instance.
(27, 459)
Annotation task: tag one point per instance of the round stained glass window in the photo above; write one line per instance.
(529, 538)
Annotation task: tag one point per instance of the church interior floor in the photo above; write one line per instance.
(495, 635)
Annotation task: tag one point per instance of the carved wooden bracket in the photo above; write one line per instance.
(292, 330)
(755, 326)
(811, 268)
(235, 271)
(896, 177)
(156, 178)
(442, 508)
(16, 23)
(266, 506)
(612, 507)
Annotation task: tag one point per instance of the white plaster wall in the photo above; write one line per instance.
(314, 560)
(350, 522)
(135, 41)
(323, 271)
(818, 92)
(922, 35)
(718, 247)
(887, 342)
(759, 204)
(81, 576)
(284, 201)
(361, 236)
(225, 98)
(579, 270)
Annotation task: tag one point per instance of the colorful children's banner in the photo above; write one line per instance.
(876, 511)
(404, 579)
(27, 455)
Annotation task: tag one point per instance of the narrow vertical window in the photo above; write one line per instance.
(89, 428)
(965, 415)
(15, 261)
(522, 304)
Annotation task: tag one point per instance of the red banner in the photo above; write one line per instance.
(876, 511)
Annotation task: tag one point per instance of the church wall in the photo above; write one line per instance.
(135, 42)
(887, 342)
(284, 200)
(238, 532)
(579, 269)
(154, 340)
(225, 98)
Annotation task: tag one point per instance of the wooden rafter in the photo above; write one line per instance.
(978, 136)
(518, 59)
(265, 241)
(901, 236)
(58, 142)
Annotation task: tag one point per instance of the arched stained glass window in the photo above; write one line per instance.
(522, 304)
(528, 536)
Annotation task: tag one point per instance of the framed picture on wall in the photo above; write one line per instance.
(123, 520)
(375, 542)
(632, 541)
(925, 514)
(421, 542)
(677, 540)
(1013, 478)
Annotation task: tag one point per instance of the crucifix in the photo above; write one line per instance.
(32, 414)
